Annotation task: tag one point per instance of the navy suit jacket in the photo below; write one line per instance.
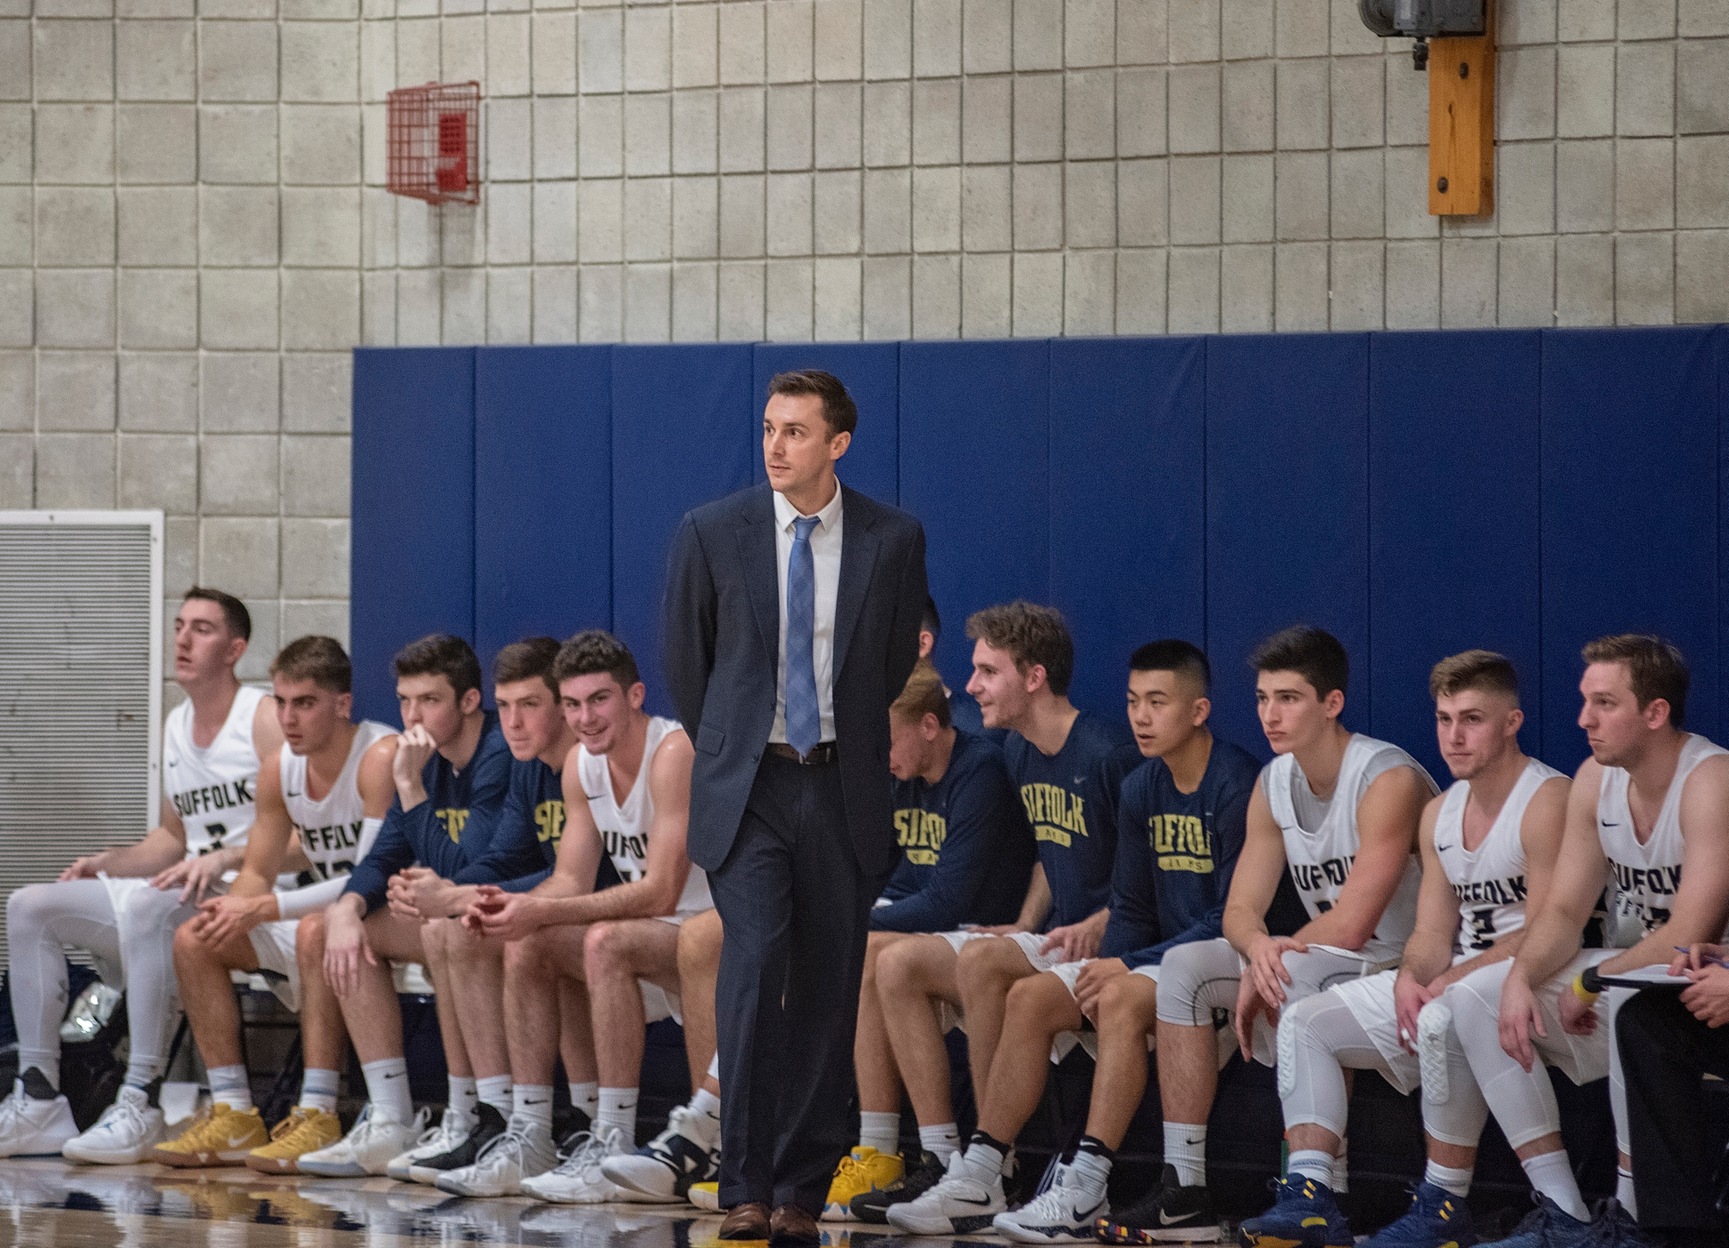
(722, 630)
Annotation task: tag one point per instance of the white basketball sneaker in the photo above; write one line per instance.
(1064, 1213)
(578, 1179)
(521, 1153)
(368, 1148)
(123, 1136)
(687, 1152)
(35, 1121)
(451, 1131)
(965, 1201)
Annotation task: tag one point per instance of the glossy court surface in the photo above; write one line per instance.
(46, 1203)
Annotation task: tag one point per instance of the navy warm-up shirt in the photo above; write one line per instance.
(450, 830)
(529, 828)
(1175, 855)
(966, 849)
(1070, 798)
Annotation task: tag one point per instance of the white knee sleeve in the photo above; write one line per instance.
(1523, 1100)
(1454, 1110)
(1319, 1039)
(1195, 980)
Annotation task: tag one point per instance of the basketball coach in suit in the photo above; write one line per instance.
(792, 618)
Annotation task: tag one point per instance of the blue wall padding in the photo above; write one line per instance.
(871, 372)
(1629, 507)
(974, 466)
(684, 431)
(1453, 542)
(1417, 493)
(543, 493)
(411, 571)
(1287, 508)
(1128, 421)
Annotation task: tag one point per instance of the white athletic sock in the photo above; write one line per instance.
(142, 1072)
(1186, 1149)
(318, 1088)
(586, 1097)
(494, 1090)
(942, 1140)
(706, 1103)
(463, 1097)
(532, 1103)
(387, 1089)
(1449, 1178)
(1311, 1163)
(1093, 1168)
(985, 1161)
(879, 1131)
(1624, 1192)
(1552, 1175)
(230, 1086)
(1341, 1181)
(618, 1109)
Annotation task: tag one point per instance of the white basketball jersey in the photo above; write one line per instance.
(1320, 859)
(214, 789)
(624, 828)
(1646, 876)
(1489, 881)
(329, 829)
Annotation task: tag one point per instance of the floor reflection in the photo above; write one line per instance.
(45, 1202)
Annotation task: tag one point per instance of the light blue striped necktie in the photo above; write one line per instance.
(803, 723)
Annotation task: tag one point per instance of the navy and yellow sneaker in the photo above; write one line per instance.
(1304, 1215)
(1436, 1219)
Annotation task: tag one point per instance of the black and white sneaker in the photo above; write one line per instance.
(663, 1169)
(874, 1206)
(1172, 1214)
(488, 1126)
(1067, 1212)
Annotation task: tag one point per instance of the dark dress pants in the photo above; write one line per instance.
(796, 906)
(1664, 1051)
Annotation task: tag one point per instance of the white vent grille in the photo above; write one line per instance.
(80, 686)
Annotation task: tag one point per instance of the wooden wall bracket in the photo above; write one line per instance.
(1462, 123)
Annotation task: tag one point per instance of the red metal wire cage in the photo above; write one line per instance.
(433, 142)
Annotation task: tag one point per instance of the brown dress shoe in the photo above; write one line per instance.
(792, 1225)
(747, 1221)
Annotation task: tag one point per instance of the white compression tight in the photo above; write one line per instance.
(1320, 1038)
(133, 945)
(1524, 1100)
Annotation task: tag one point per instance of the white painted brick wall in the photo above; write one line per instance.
(193, 230)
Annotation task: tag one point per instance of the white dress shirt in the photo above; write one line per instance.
(825, 556)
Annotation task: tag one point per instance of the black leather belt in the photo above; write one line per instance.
(821, 754)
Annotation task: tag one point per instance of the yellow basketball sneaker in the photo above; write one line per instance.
(863, 1170)
(705, 1196)
(218, 1136)
(302, 1131)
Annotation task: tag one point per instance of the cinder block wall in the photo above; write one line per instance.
(193, 229)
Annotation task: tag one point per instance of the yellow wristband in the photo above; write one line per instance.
(1579, 990)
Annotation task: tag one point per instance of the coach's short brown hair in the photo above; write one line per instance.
(1474, 669)
(440, 654)
(1656, 669)
(529, 659)
(839, 412)
(322, 660)
(1033, 635)
(923, 695)
(596, 650)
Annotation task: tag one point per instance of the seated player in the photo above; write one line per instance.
(466, 967)
(627, 798)
(451, 772)
(1337, 812)
(1488, 849)
(329, 784)
(1068, 766)
(1180, 829)
(645, 1172)
(123, 904)
(1651, 799)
